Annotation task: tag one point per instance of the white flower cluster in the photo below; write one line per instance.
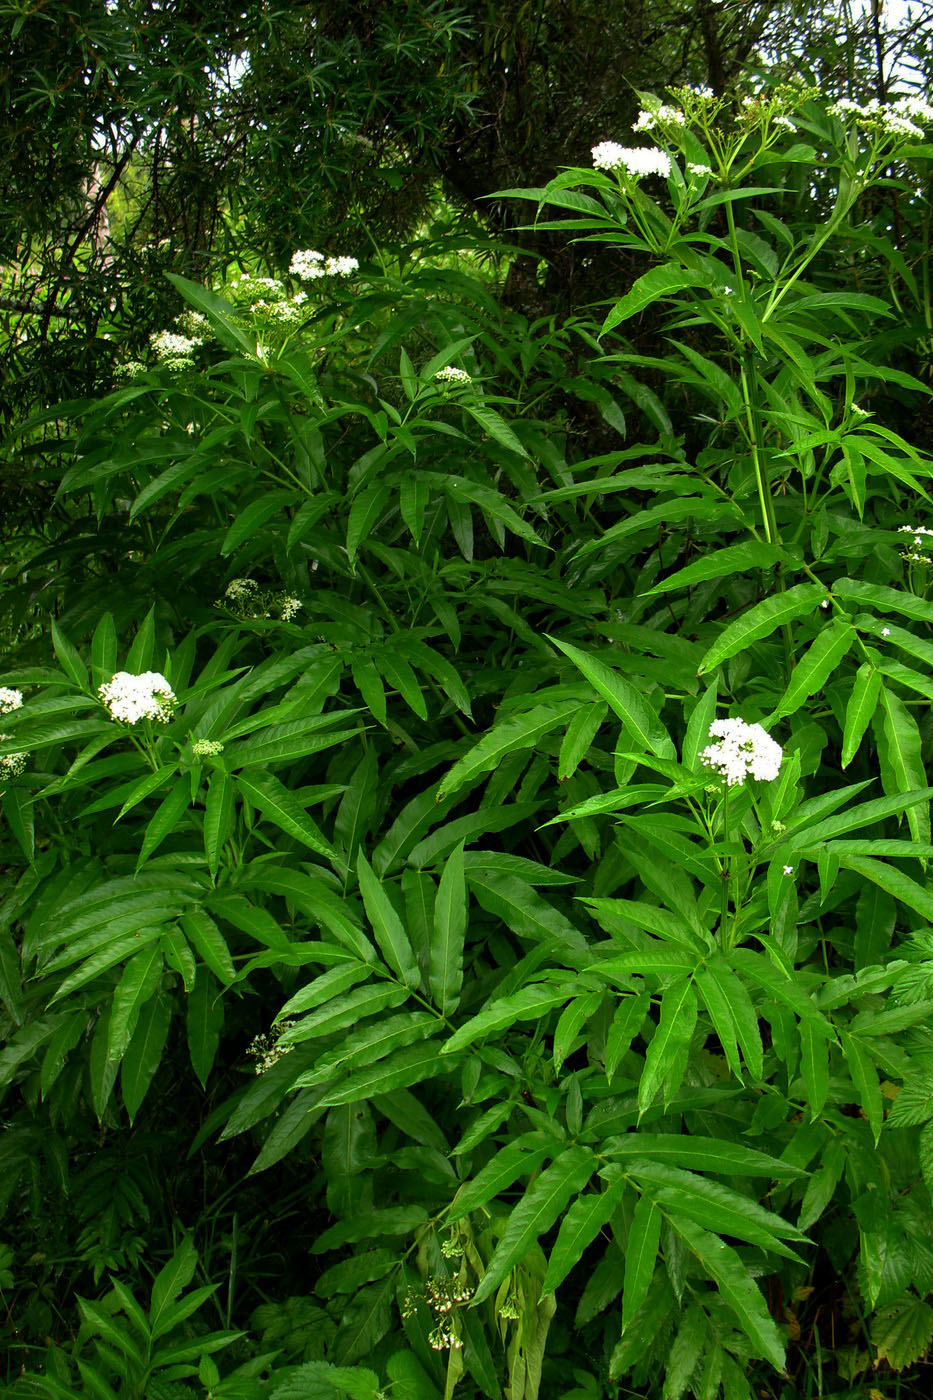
(309, 265)
(742, 750)
(905, 116)
(662, 115)
(207, 748)
(265, 1048)
(253, 288)
(173, 348)
(450, 374)
(11, 764)
(784, 122)
(10, 700)
(289, 606)
(635, 160)
(700, 171)
(241, 590)
(914, 552)
(131, 698)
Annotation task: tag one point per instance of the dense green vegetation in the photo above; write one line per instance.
(465, 823)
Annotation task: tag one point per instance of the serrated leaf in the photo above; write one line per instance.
(138, 982)
(521, 1157)
(722, 564)
(736, 1287)
(641, 1255)
(529, 1004)
(144, 1053)
(387, 926)
(448, 934)
(815, 667)
(695, 1153)
(165, 818)
(903, 769)
(368, 1045)
(860, 707)
(519, 732)
(579, 1228)
(760, 621)
(400, 1070)
(902, 1331)
(536, 1212)
(205, 1019)
(284, 809)
(666, 1052)
(865, 1080)
(641, 722)
(663, 281)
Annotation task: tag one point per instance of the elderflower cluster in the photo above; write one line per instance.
(450, 374)
(905, 116)
(636, 161)
(245, 597)
(742, 750)
(241, 590)
(661, 115)
(288, 607)
(207, 748)
(699, 170)
(11, 764)
(265, 1048)
(174, 350)
(913, 553)
(309, 265)
(131, 698)
(10, 700)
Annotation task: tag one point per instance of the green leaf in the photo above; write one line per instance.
(902, 763)
(202, 932)
(663, 281)
(220, 313)
(579, 1228)
(165, 819)
(685, 1353)
(860, 707)
(69, 659)
(450, 924)
(695, 1153)
(144, 1053)
(398, 1071)
(901, 1332)
(572, 1018)
(535, 1213)
(529, 1004)
(138, 982)
(888, 877)
(253, 517)
(284, 809)
(387, 926)
(368, 1045)
(865, 1081)
(697, 736)
(171, 1281)
(760, 621)
(493, 424)
(665, 1061)
(643, 725)
(626, 1024)
(717, 1207)
(722, 564)
(218, 817)
(736, 1287)
(813, 670)
(518, 732)
(521, 1157)
(641, 1255)
(205, 1021)
(581, 731)
(104, 650)
(895, 599)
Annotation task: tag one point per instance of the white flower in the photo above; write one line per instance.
(10, 700)
(920, 534)
(788, 870)
(341, 267)
(309, 265)
(825, 603)
(637, 161)
(885, 631)
(659, 116)
(168, 345)
(289, 607)
(238, 590)
(207, 748)
(742, 750)
(11, 764)
(131, 698)
(784, 122)
(698, 170)
(450, 374)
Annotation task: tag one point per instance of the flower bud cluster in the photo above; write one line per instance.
(11, 764)
(207, 748)
(10, 699)
(451, 375)
(246, 598)
(265, 1048)
(174, 350)
(131, 698)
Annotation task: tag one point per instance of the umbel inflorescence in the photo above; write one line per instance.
(130, 698)
(740, 751)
